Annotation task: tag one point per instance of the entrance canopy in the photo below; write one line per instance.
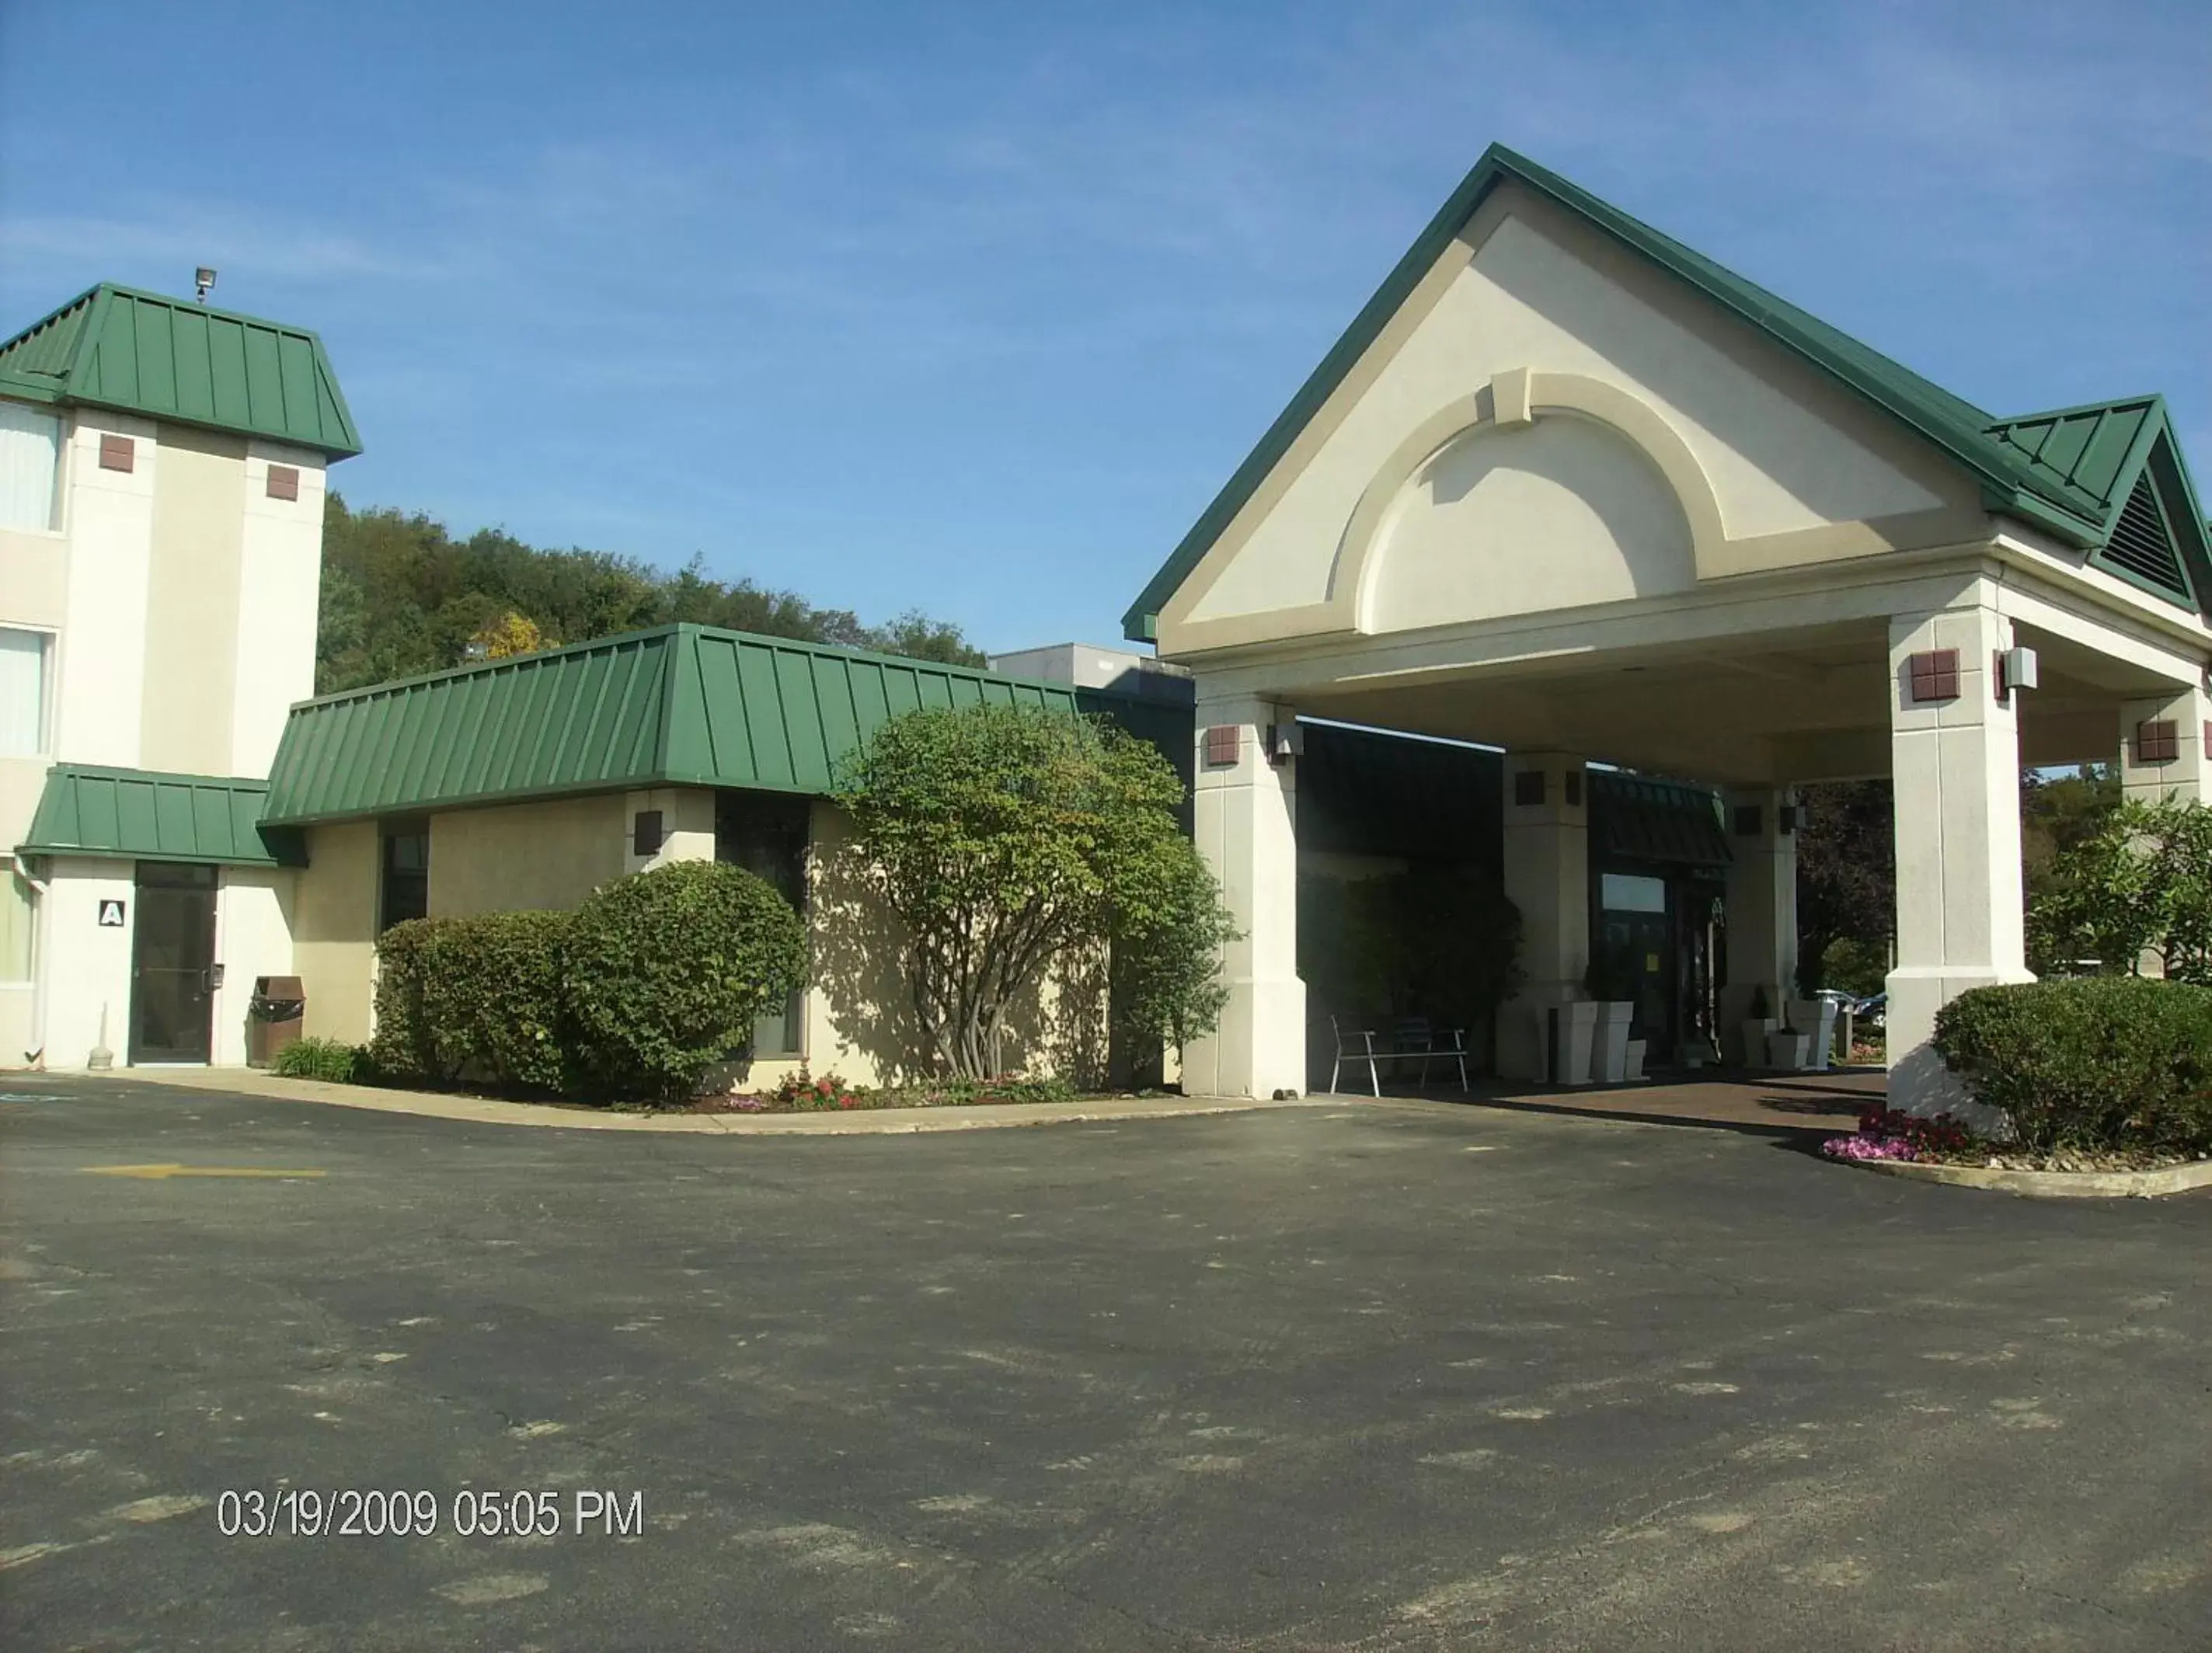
(1567, 487)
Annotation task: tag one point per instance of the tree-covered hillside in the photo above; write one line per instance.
(401, 597)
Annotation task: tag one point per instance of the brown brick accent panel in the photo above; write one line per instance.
(1221, 743)
(283, 482)
(117, 453)
(1934, 676)
(2158, 740)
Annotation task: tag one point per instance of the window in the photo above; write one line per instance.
(766, 834)
(1631, 893)
(30, 461)
(22, 692)
(18, 916)
(406, 891)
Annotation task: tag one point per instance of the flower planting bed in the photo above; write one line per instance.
(802, 1093)
(1943, 1150)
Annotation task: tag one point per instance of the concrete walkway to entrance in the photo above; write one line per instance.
(1781, 1104)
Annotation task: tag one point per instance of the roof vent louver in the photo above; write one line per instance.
(2141, 545)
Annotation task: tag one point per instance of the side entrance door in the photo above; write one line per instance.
(173, 963)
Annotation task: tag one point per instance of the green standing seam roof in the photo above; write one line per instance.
(144, 353)
(2063, 498)
(1636, 817)
(679, 705)
(141, 815)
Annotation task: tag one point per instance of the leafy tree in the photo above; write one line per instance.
(401, 597)
(1005, 838)
(510, 634)
(1846, 871)
(2140, 884)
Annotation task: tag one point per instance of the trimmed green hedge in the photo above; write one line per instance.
(2101, 1061)
(638, 993)
(666, 970)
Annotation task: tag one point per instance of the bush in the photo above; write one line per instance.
(664, 971)
(405, 962)
(330, 1060)
(478, 998)
(2099, 1062)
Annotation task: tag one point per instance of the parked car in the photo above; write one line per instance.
(1870, 1010)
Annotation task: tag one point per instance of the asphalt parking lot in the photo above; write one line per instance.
(1379, 1377)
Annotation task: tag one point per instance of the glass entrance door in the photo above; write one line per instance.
(173, 963)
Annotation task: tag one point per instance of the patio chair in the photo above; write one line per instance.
(1412, 1039)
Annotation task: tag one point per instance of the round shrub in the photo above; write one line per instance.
(2097, 1062)
(667, 969)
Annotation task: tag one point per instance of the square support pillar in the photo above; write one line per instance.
(1955, 765)
(1547, 875)
(1244, 811)
(1762, 915)
(2180, 723)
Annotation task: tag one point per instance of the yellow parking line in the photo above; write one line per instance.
(161, 1172)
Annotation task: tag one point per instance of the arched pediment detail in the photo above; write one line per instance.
(1517, 401)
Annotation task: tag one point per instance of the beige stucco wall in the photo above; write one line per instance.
(1782, 450)
(334, 929)
(191, 604)
(525, 855)
(279, 582)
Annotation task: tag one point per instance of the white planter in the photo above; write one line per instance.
(1788, 1050)
(1636, 1059)
(1755, 1030)
(1818, 1018)
(1577, 1042)
(1611, 1059)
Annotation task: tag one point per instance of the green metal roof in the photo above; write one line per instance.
(116, 347)
(2050, 495)
(140, 815)
(679, 705)
(1636, 817)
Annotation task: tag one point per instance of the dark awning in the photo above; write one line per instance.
(1633, 818)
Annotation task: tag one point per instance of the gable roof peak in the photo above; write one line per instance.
(2013, 482)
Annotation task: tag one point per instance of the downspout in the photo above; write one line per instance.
(36, 1055)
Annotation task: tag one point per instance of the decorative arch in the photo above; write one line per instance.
(1511, 399)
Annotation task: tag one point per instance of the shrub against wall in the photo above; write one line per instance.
(479, 997)
(2096, 1063)
(664, 972)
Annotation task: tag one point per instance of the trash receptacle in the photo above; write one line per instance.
(272, 1017)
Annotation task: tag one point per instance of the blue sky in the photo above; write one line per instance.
(972, 307)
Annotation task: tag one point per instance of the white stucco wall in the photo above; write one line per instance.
(253, 937)
(109, 517)
(87, 967)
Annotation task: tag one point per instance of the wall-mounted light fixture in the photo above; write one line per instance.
(203, 279)
(2016, 668)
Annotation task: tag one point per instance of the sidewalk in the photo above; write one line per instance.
(484, 1110)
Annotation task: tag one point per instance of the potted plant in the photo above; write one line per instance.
(1608, 989)
(1759, 1022)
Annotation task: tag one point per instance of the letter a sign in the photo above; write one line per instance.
(110, 915)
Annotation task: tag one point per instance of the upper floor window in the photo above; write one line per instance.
(30, 461)
(22, 693)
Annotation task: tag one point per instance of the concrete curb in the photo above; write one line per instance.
(2052, 1185)
(885, 1121)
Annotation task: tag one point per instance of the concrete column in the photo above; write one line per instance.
(2188, 774)
(1244, 811)
(1954, 766)
(1547, 877)
(1762, 913)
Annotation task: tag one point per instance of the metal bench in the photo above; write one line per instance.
(1410, 1039)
